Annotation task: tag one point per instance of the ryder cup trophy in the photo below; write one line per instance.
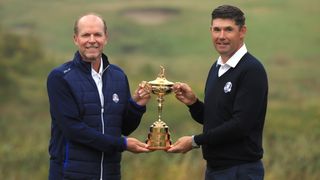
(159, 135)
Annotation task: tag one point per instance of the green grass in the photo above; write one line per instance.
(284, 34)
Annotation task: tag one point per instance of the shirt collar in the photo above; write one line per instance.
(234, 60)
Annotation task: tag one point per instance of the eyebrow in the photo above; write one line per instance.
(224, 27)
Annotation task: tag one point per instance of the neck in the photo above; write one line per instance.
(96, 65)
(226, 57)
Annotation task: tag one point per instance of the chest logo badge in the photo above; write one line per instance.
(227, 87)
(115, 98)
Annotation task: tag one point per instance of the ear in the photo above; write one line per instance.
(243, 31)
(75, 39)
(107, 38)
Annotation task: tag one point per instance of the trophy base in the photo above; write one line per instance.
(158, 138)
(159, 148)
(158, 145)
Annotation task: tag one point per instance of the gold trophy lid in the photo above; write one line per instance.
(161, 80)
(159, 124)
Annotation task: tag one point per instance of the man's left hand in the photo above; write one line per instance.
(183, 145)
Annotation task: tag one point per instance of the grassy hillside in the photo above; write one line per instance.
(145, 34)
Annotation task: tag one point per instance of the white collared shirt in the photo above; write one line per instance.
(97, 77)
(232, 62)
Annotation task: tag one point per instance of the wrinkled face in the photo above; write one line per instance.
(227, 37)
(90, 38)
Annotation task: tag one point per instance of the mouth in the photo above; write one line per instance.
(92, 47)
(222, 43)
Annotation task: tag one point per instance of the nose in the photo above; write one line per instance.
(221, 35)
(91, 38)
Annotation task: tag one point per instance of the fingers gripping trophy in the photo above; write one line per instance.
(159, 135)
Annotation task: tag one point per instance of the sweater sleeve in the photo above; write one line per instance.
(248, 112)
(65, 115)
(196, 111)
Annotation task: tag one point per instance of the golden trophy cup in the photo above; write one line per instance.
(159, 135)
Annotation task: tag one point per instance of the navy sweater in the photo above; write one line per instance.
(233, 114)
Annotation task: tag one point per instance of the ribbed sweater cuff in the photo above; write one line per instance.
(199, 139)
(195, 105)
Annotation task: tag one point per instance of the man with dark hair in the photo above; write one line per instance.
(91, 108)
(234, 107)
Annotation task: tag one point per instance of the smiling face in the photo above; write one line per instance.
(227, 37)
(90, 37)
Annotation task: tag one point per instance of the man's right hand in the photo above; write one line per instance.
(184, 93)
(142, 94)
(135, 146)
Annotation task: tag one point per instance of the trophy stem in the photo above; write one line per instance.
(160, 100)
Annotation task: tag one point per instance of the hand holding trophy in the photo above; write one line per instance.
(159, 136)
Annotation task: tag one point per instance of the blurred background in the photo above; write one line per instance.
(36, 35)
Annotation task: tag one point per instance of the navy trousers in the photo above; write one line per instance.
(249, 171)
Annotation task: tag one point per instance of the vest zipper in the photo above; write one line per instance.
(102, 153)
(102, 124)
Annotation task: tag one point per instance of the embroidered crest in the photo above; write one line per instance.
(115, 98)
(227, 87)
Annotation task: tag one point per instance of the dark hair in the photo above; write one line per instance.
(229, 12)
(76, 28)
